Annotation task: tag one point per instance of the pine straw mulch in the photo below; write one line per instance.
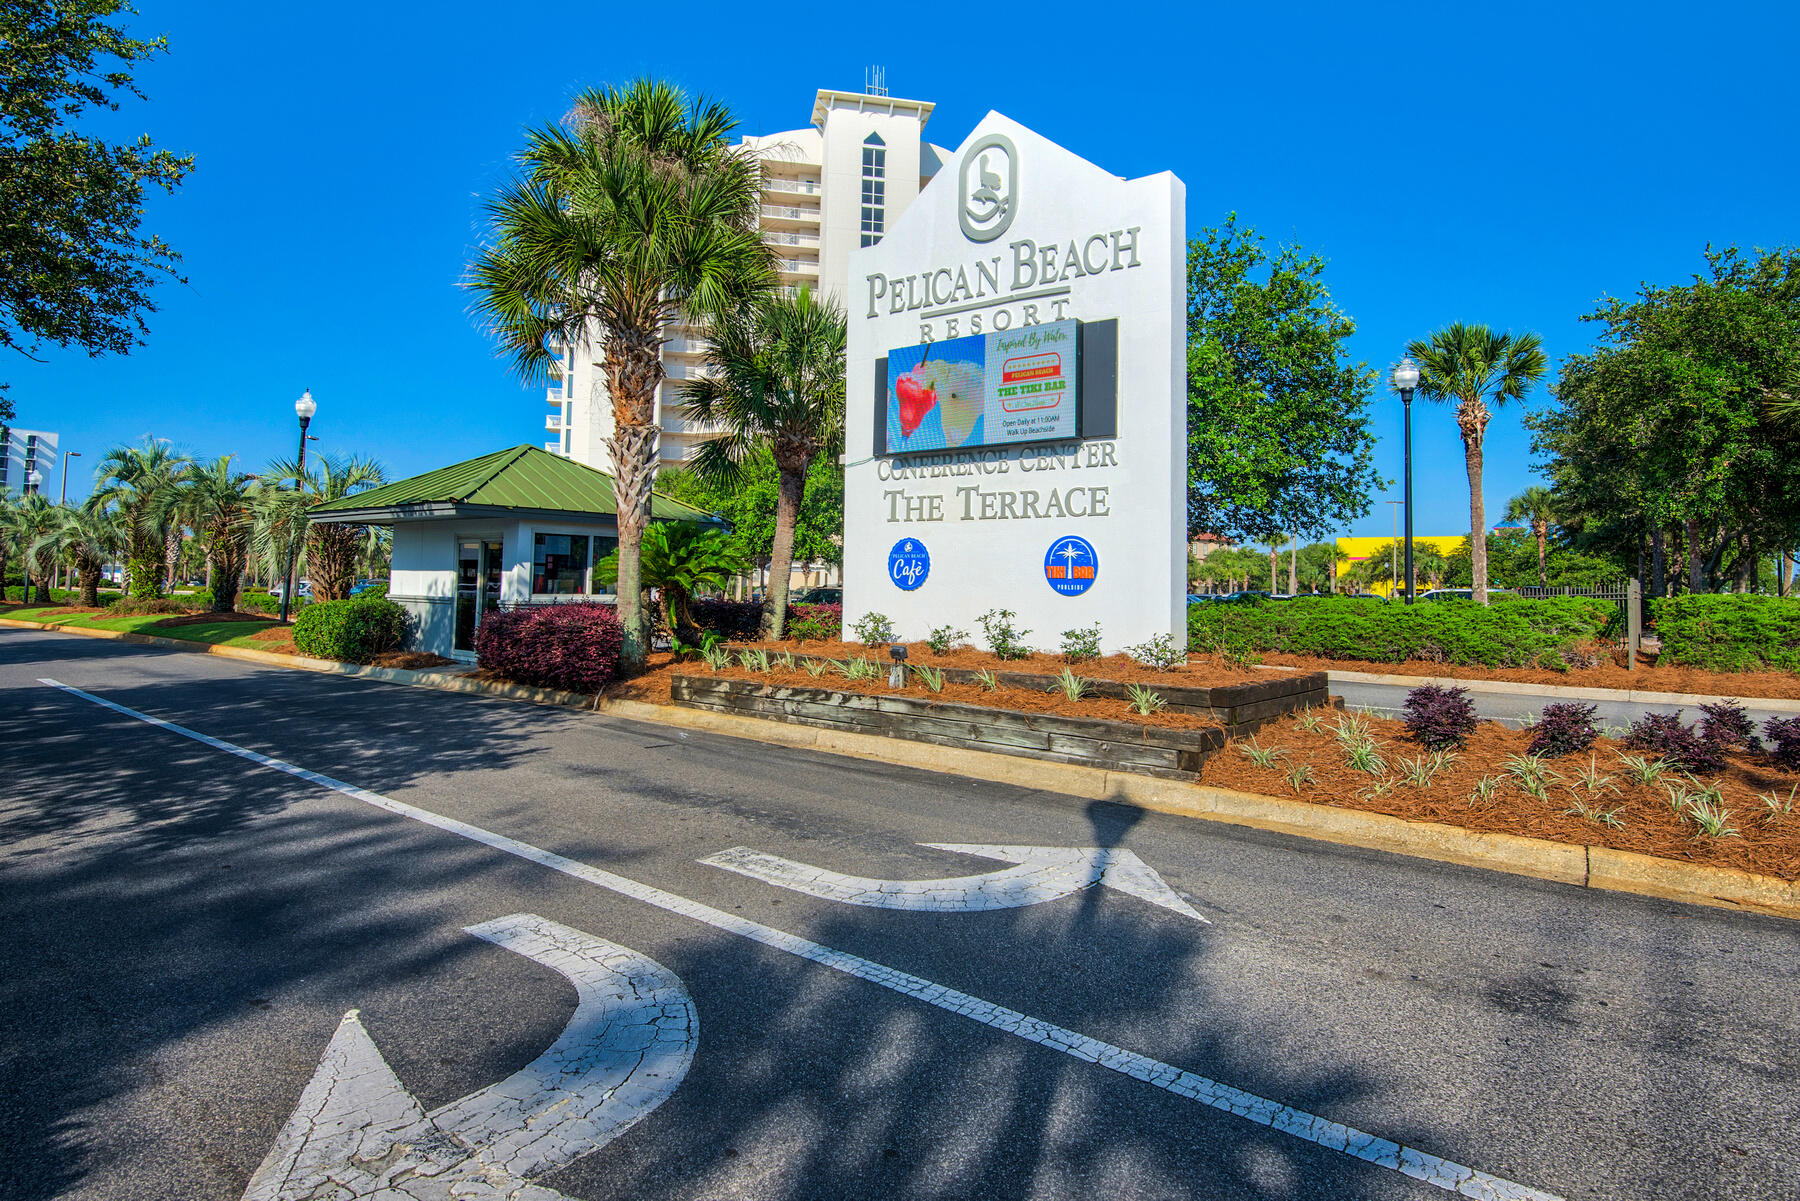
(1650, 825)
(1200, 671)
(1610, 673)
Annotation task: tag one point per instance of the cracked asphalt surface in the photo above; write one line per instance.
(181, 932)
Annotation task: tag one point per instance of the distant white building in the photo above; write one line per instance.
(826, 190)
(23, 452)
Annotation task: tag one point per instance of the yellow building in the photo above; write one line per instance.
(1360, 549)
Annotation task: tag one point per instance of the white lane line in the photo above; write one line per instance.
(1431, 1169)
(358, 1133)
(1042, 874)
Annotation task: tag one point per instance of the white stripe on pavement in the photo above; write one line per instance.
(1431, 1169)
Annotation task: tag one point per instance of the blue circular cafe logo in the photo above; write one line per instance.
(908, 564)
(1070, 565)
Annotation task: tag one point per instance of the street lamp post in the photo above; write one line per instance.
(62, 498)
(1406, 378)
(304, 408)
(33, 481)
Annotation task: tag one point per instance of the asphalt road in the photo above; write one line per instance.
(182, 930)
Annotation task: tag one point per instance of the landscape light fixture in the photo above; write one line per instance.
(304, 408)
(897, 673)
(1405, 379)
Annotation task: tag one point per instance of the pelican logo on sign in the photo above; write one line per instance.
(1070, 565)
(989, 188)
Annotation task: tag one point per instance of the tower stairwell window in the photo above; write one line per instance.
(874, 189)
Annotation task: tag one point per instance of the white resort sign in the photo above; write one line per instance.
(1016, 426)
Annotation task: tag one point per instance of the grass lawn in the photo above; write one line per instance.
(218, 633)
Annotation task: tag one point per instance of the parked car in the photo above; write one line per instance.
(1444, 594)
(819, 596)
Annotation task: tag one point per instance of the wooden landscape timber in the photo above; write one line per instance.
(1173, 754)
(1240, 708)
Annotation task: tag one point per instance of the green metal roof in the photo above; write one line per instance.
(521, 477)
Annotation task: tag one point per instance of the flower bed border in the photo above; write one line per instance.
(1240, 708)
(1171, 754)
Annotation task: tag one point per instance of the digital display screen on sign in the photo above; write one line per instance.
(994, 389)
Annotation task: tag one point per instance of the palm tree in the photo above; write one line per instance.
(330, 549)
(7, 507)
(775, 379)
(639, 215)
(680, 558)
(144, 484)
(30, 521)
(88, 537)
(221, 505)
(1537, 506)
(1470, 365)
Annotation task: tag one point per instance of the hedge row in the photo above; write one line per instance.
(1730, 632)
(351, 631)
(1513, 632)
(572, 647)
(60, 596)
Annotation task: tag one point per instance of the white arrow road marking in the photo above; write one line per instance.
(358, 1133)
(1335, 1136)
(1043, 874)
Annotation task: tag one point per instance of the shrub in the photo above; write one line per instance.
(1727, 726)
(572, 647)
(1160, 652)
(1563, 730)
(350, 631)
(1080, 644)
(815, 623)
(734, 620)
(873, 629)
(1004, 639)
(1440, 718)
(1730, 633)
(1668, 735)
(139, 606)
(1512, 633)
(942, 639)
(1783, 734)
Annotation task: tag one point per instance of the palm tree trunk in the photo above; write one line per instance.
(90, 585)
(790, 492)
(172, 552)
(1272, 559)
(1472, 418)
(632, 363)
(1294, 567)
(1542, 530)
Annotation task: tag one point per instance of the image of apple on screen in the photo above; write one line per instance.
(947, 385)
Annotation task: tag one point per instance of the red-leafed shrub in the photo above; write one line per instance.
(815, 623)
(571, 647)
(1783, 734)
(1564, 729)
(1674, 739)
(1440, 718)
(736, 621)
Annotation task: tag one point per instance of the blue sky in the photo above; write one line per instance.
(1453, 163)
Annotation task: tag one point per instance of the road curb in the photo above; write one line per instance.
(1563, 863)
(1512, 688)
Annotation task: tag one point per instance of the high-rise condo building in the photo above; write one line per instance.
(23, 452)
(826, 190)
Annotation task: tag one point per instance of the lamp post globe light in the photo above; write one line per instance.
(304, 408)
(1405, 379)
(33, 481)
